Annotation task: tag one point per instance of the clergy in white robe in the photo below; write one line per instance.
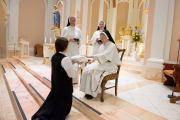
(96, 36)
(106, 62)
(71, 32)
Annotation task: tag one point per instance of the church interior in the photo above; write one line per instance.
(147, 85)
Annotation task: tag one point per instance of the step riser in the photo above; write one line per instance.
(31, 91)
(41, 79)
(79, 106)
(131, 70)
(13, 101)
(131, 66)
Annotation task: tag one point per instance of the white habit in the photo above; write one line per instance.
(106, 63)
(68, 66)
(72, 32)
(93, 41)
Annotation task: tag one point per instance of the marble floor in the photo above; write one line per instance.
(28, 104)
(137, 99)
(141, 98)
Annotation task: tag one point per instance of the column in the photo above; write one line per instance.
(129, 47)
(77, 8)
(49, 24)
(130, 13)
(123, 44)
(137, 19)
(114, 22)
(68, 9)
(14, 13)
(84, 22)
(108, 17)
(62, 16)
(7, 31)
(162, 30)
(90, 21)
(101, 6)
(135, 14)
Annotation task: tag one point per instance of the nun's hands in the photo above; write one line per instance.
(88, 56)
(72, 40)
(91, 61)
(97, 39)
(78, 42)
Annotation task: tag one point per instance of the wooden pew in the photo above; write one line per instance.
(171, 75)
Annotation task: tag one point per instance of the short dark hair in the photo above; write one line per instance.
(136, 27)
(61, 44)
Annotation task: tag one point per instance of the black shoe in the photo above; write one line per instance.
(86, 95)
(89, 97)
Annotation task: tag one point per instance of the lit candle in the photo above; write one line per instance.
(45, 39)
(50, 39)
(87, 38)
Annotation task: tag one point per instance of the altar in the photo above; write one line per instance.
(24, 48)
(48, 50)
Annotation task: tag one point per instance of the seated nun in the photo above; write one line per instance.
(105, 62)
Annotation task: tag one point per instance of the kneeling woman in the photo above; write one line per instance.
(105, 62)
(59, 101)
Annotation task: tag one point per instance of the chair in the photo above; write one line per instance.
(114, 76)
(38, 50)
(169, 71)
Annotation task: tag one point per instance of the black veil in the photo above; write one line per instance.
(106, 32)
(68, 24)
(104, 26)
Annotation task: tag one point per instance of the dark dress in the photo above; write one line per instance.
(59, 101)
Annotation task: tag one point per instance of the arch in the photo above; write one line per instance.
(104, 1)
(122, 1)
(140, 3)
(4, 5)
(45, 3)
(107, 3)
(92, 2)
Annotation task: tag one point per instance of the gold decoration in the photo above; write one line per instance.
(44, 61)
(128, 31)
(146, 10)
(139, 26)
(78, 18)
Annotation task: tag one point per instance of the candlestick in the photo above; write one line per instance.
(50, 40)
(87, 38)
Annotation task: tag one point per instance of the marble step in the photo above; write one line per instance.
(26, 101)
(31, 66)
(131, 66)
(135, 71)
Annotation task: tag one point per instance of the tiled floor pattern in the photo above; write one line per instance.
(28, 104)
(6, 109)
(136, 97)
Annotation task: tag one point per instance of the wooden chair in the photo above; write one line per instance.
(114, 76)
(169, 72)
(38, 50)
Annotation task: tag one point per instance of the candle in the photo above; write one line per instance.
(50, 39)
(87, 38)
(45, 39)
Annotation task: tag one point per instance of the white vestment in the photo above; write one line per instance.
(106, 63)
(93, 41)
(72, 32)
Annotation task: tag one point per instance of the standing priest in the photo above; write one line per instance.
(74, 35)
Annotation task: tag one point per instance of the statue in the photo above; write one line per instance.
(56, 17)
